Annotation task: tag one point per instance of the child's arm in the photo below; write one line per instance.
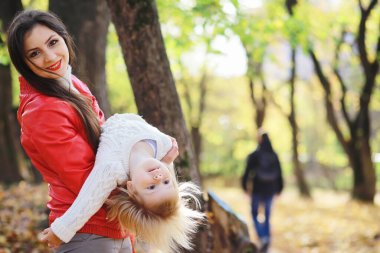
(96, 189)
(105, 176)
(48, 236)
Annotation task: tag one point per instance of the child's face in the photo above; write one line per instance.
(152, 182)
(46, 52)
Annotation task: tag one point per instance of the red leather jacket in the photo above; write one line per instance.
(54, 138)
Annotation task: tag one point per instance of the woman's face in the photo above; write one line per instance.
(46, 52)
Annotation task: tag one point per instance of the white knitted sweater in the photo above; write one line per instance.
(119, 133)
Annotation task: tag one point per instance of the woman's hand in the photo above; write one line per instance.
(172, 153)
(50, 238)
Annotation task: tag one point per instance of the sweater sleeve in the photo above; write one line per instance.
(107, 173)
(98, 186)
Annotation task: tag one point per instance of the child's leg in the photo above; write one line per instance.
(82, 242)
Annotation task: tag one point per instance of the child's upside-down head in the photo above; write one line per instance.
(155, 207)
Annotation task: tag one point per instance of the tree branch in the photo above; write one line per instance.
(340, 79)
(361, 6)
(371, 68)
(277, 105)
(202, 96)
(331, 117)
(362, 35)
(377, 53)
(187, 96)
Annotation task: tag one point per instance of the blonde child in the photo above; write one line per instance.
(150, 202)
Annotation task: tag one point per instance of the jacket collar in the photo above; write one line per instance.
(27, 89)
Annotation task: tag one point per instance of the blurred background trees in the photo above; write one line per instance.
(306, 71)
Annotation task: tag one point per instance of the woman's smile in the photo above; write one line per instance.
(55, 66)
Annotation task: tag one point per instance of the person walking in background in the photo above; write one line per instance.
(263, 169)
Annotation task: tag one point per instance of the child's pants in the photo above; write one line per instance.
(83, 243)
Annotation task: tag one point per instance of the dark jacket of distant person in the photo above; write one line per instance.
(264, 151)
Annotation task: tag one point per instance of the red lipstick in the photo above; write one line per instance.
(55, 66)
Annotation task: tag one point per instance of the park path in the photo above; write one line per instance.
(330, 223)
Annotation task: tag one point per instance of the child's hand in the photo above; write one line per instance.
(172, 153)
(52, 240)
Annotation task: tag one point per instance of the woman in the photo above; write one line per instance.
(60, 124)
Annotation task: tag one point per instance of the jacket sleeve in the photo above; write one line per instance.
(54, 141)
(280, 178)
(248, 170)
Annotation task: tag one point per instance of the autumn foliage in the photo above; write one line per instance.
(22, 216)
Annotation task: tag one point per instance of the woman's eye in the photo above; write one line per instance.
(33, 54)
(53, 42)
(167, 181)
(151, 187)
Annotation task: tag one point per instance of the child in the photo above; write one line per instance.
(154, 206)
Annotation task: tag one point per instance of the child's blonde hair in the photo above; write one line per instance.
(168, 225)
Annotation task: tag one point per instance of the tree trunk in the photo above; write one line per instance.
(357, 144)
(298, 170)
(258, 104)
(137, 25)
(140, 37)
(364, 175)
(196, 138)
(10, 148)
(8, 152)
(259, 100)
(88, 21)
(196, 113)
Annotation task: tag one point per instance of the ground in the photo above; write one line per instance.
(330, 223)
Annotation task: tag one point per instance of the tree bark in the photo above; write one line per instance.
(10, 148)
(88, 21)
(140, 37)
(137, 25)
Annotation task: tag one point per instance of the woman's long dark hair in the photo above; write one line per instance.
(23, 23)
